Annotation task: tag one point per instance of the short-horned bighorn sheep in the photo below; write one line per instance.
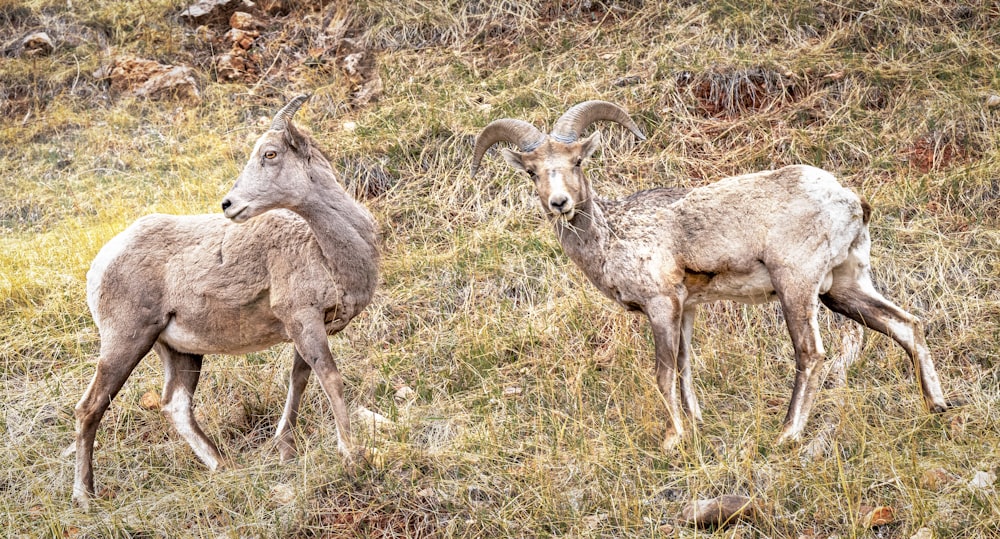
(186, 286)
(794, 235)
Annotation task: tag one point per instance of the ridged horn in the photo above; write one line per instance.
(518, 132)
(283, 116)
(569, 126)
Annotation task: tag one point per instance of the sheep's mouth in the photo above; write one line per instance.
(238, 216)
(564, 217)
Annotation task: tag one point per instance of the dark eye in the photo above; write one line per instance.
(270, 154)
(531, 174)
(579, 161)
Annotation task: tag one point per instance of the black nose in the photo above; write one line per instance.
(226, 204)
(558, 202)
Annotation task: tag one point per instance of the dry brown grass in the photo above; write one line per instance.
(534, 412)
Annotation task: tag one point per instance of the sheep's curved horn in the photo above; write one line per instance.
(283, 116)
(526, 136)
(568, 127)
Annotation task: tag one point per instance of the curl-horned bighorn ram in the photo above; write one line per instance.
(793, 235)
(187, 286)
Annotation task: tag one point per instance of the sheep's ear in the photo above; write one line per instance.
(513, 158)
(590, 144)
(294, 138)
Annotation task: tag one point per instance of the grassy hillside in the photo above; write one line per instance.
(534, 410)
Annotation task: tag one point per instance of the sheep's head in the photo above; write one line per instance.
(554, 162)
(276, 175)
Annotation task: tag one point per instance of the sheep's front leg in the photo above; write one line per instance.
(665, 318)
(800, 309)
(309, 335)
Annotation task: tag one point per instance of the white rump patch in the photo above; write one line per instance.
(103, 260)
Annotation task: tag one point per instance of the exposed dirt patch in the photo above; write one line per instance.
(935, 152)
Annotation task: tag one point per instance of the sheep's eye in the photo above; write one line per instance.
(579, 161)
(531, 174)
(270, 154)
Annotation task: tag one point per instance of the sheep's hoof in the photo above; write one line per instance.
(82, 502)
(788, 437)
(942, 407)
(670, 442)
(286, 450)
(939, 409)
(956, 403)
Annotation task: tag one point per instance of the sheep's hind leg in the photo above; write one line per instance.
(180, 379)
(118, 358)
(860, 301)
(283, 436)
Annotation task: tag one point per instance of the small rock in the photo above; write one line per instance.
(213, 11)
(511, 391)
(150, 400)
(37, 44)
(242, 20)
(923, 533)
(983, 480)
(936, 479)
(666, 529)
(230, 67)
(993, 101)
(242, 39)
(373, 419)
(877, 516)
(721, 511)
(400, 394)
(282, 494)
(403, 393)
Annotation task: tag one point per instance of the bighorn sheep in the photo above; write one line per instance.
(187, 286)
(793, 235)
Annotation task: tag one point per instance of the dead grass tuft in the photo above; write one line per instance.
(730, 92)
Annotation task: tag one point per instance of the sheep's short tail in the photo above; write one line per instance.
(866, 211)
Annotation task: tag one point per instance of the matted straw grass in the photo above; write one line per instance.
(533, 412)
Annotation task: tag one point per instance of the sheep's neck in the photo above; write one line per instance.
(585, 237)
(346, 235)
